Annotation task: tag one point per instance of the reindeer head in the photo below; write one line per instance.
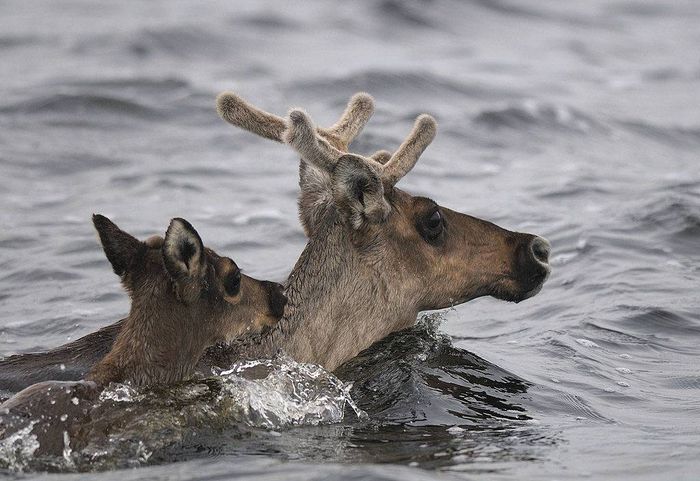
(184, 298)
(436, 256)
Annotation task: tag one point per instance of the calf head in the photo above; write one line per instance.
(184, 298)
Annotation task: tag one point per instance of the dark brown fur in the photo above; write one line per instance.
(184, 298)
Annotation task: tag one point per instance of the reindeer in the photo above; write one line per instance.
(376, 255)
(184, 298)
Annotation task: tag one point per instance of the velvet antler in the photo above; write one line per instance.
(324, 146)
(391, 167)
(236, 111)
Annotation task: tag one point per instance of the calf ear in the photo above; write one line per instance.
(183, 251)
(358, 192)
(120, 247)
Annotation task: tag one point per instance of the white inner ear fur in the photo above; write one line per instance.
(373, 208)
(179, 235)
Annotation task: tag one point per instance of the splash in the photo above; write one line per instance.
(118, 392)
(130, 426)
(17, 449)
(280, 392)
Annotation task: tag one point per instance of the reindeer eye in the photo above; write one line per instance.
(435, 220)
(432, 225)
(232, 283)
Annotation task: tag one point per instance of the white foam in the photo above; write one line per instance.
(17, 449)
(281, 392)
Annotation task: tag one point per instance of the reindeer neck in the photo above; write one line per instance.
(337, 306)
(153, 347)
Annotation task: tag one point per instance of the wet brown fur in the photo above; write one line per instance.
(179, 305)
(184, 298)
(367, 269)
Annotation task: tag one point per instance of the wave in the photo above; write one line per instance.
(141, 85)
(674, 136)
(676, 217)
(393, 84)
(83, 105)
(530, 115)
(181, 41)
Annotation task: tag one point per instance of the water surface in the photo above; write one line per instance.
(576, 122)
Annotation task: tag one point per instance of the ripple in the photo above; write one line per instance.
(656, 321)
(18, 242)
(538, 115)
(386, 84)
(408, 13)
(39, 275)
(265, 21)
(81, 105)
(677, 216)
(8, 42)
(174, 41)
(674, 136)
(682, 382)
(144, 85)
(401, 388)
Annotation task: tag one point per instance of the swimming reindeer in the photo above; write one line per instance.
(376, 256)
(184, 298)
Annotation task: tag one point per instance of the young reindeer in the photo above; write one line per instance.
(377, 255)
(184, 298)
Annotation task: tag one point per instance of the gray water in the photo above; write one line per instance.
(579, 122)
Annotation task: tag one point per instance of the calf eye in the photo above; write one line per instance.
(435, 221)
(432, 225)
(232, 283)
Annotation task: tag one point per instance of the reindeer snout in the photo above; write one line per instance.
(540, 249)
(531, 266)
(276, 299)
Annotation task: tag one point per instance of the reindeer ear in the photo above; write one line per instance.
(183, 251)
(119, 246)
(358, 192)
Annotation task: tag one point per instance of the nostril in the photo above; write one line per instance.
(540, 249)
(277, 299)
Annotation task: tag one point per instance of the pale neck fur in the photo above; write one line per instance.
(337, 306)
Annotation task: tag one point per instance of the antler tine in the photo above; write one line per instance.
(301, 135)
(356, 115)
(381, 156)
(410, 150)
(240, 113)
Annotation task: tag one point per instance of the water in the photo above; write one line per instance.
(575, 122)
